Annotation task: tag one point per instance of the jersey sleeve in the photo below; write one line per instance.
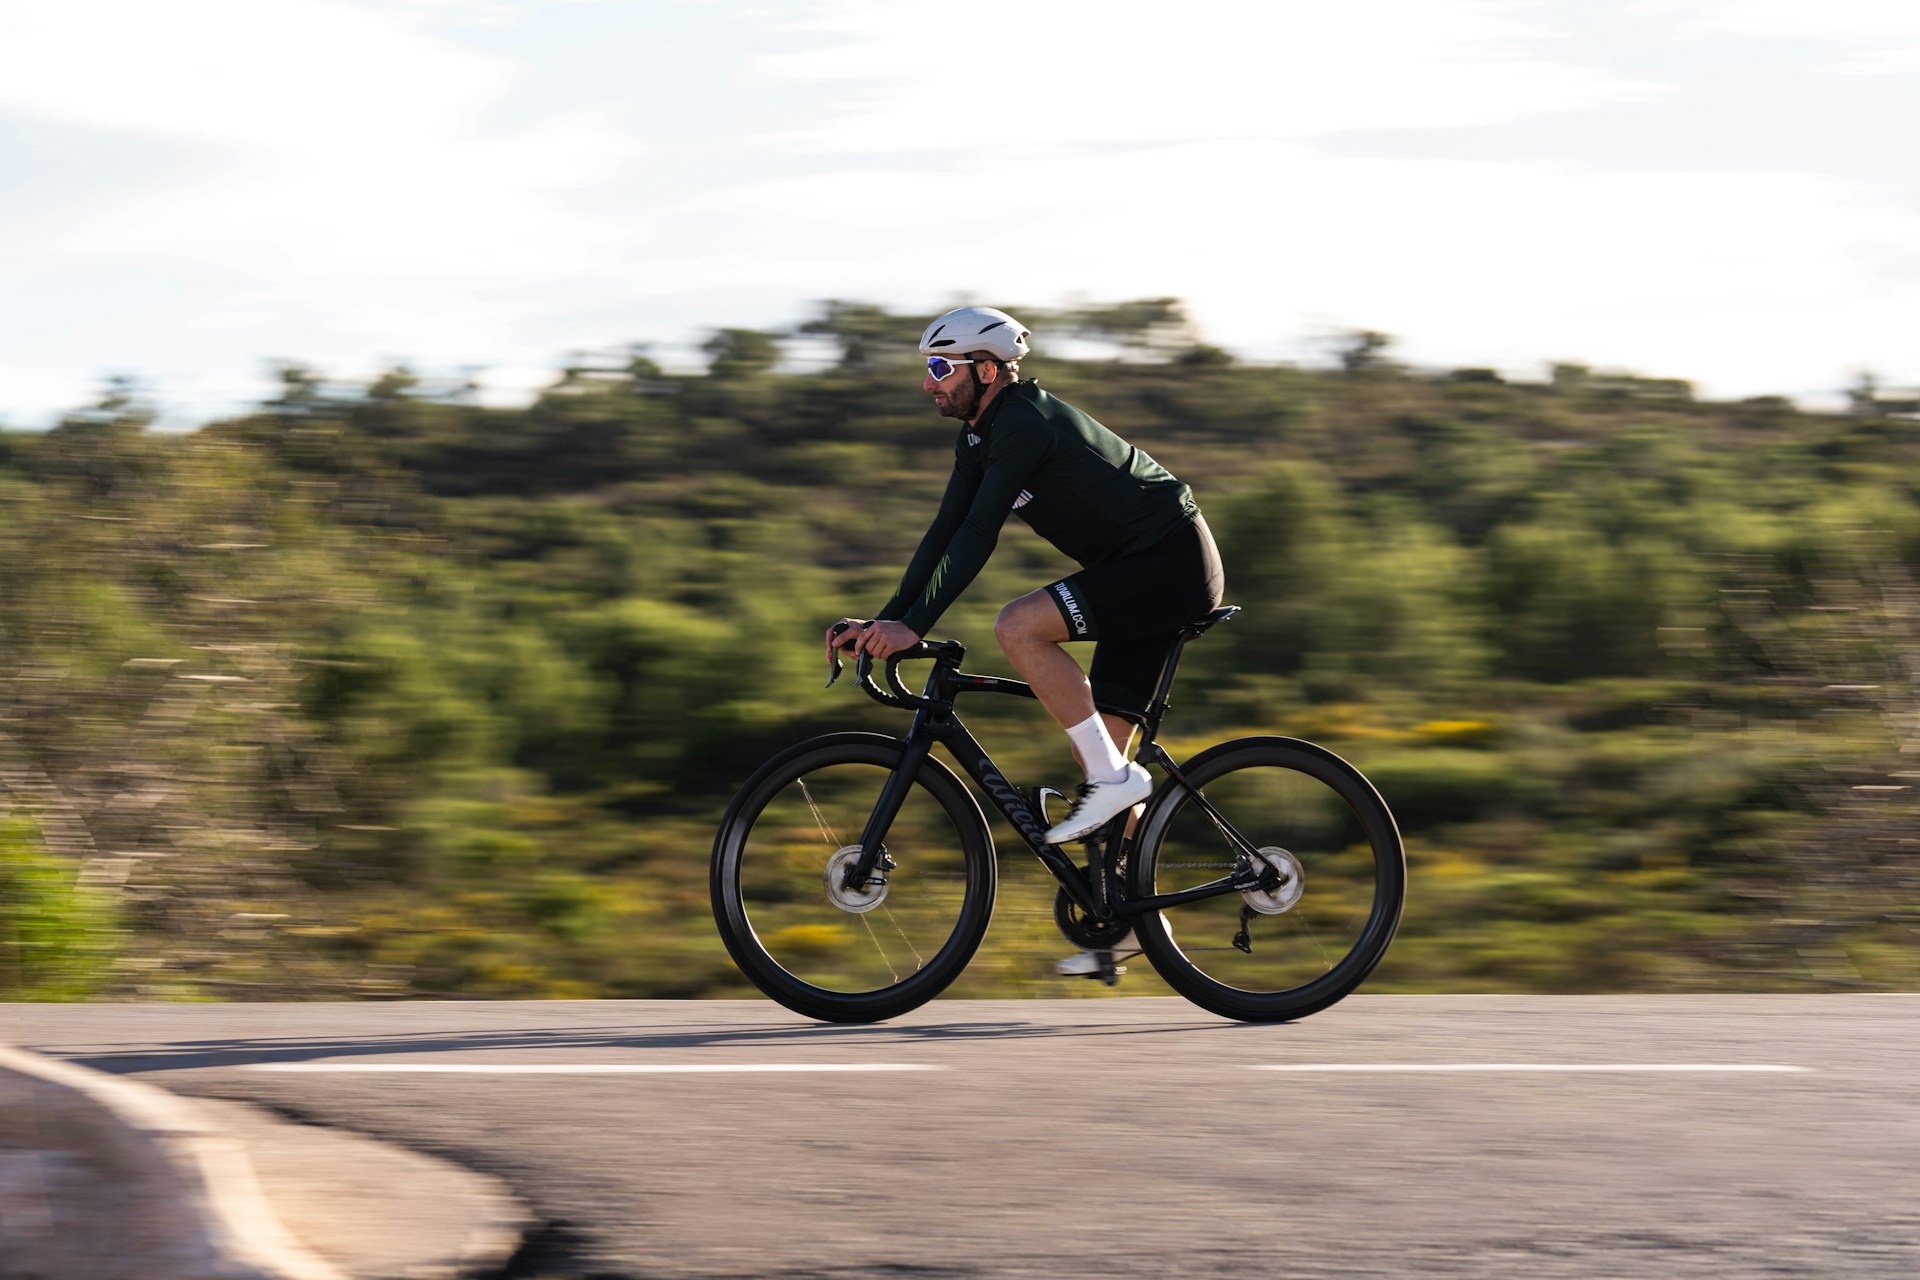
(961, 486)
(956, 558)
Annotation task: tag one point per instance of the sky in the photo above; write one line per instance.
(1719, 190)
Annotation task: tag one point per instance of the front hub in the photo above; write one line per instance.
(858, 898)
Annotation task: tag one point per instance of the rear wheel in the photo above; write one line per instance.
(1334, 891)
(851, 953)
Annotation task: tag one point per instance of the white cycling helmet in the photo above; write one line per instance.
(976, 329)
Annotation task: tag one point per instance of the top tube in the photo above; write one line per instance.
(949, 682)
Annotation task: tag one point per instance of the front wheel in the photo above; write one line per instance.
(819, 946)
(1337, 881)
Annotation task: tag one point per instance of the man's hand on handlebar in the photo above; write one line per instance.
(884, 639)
(881, 639)
(844, 634)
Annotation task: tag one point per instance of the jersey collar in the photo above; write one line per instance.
(984, 423)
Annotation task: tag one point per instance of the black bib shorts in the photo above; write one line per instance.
(1132, 607)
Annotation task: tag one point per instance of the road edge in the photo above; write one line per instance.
(189, 1184)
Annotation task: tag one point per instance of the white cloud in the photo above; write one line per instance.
(1135, 155)
(34, 393)
(351, 182)
(1728, 277)
(293, 74)
(1885, 33)
(514, 386)
(336, 158)
(1863, 20)
(412, 211)
(1131, 71)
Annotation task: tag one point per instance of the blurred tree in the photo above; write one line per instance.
(737, 354)
(869, 337)
(644, 372)
(1144, 329)
(1403, 612)
(394, 384)
(301, 388)
(1565, 604)
(1863, 397)
(1566, 376)
(1283, 546)
(1363, 350)
(101, 447)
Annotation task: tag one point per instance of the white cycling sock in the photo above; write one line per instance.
(1102, 759)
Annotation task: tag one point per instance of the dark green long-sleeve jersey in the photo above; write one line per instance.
(1075, 483)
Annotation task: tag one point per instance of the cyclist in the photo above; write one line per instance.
(1148, 562)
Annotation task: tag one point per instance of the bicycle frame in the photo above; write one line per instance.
(1101, 896)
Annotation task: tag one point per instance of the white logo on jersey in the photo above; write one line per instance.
(1021, 501)
(972, 438)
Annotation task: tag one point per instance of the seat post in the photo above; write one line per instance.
(1164, 690)
(1161, 692)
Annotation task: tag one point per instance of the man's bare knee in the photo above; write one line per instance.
(1008, 628)
(1020, 623)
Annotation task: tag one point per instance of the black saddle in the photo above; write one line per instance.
(1221, 614)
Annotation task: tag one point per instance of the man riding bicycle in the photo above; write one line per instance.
(1148, 562)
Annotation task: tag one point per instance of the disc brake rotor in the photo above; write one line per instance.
(861, 898)
(1293, 882)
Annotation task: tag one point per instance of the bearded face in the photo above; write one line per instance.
(957, 395)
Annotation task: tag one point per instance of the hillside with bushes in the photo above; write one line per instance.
(375, 691)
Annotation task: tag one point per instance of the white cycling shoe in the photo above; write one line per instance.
(1096, 803)
(1086, 964)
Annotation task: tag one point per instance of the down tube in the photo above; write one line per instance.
(1007, 798)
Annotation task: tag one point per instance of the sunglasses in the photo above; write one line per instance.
(940, 367)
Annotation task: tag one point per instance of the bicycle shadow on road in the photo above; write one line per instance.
(545, 1042)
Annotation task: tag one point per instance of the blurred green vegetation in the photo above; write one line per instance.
(59, 936)
(376, 692)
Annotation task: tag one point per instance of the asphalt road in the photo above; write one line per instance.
(1748, 1136)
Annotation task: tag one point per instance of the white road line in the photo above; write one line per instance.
(581, 1068)
(1757, 1067)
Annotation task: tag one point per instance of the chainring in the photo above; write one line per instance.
(1083, 932)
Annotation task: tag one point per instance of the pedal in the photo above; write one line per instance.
(1108, 976)
(1108, 972)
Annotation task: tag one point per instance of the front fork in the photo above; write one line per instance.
(873, 849)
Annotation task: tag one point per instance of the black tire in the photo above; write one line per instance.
(1336, 833)
(781, 923)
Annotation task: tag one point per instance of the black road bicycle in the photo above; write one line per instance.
(853, 874)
